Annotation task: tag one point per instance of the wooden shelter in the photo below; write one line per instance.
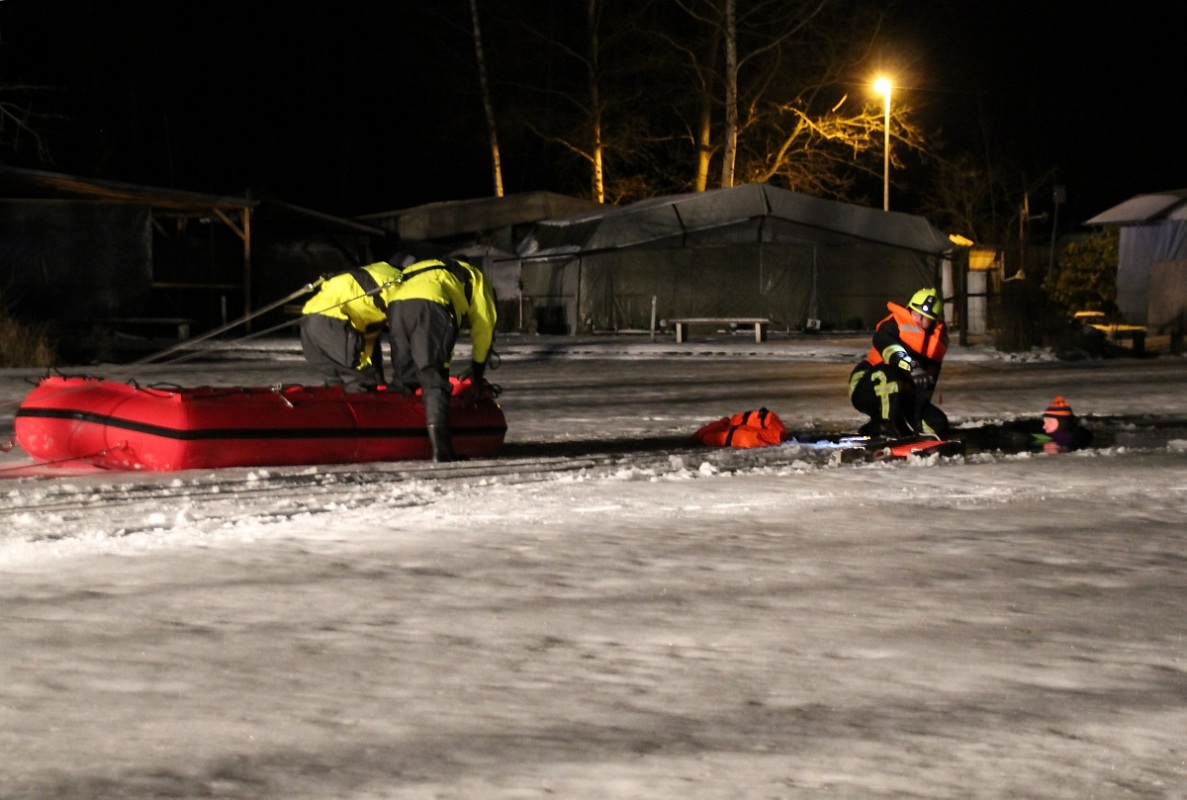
(96, 249)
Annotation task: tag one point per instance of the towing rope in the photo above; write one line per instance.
(180, 346)
(309, 287)
(85, 457)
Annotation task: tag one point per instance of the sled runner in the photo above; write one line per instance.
(164, 428)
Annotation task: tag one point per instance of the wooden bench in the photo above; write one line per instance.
(182, 326)
(760, 325)
(1115, 331)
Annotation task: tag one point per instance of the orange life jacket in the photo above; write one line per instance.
(932, 345)
(748, 429)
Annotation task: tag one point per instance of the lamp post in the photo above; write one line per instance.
(882, 87)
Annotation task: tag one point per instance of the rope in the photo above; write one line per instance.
(309, 287)
(227, 345)
(85, 457)
(233, 342)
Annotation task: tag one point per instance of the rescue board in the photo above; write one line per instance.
(857, 447)
(125, 426)
(918, 447)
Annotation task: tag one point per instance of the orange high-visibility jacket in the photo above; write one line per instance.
(898, 336)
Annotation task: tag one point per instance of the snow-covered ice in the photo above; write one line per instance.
(608, 610)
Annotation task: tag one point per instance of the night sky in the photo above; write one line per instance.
(358, 106)
(1091, 92)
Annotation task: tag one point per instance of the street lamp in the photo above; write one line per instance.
(882, 87)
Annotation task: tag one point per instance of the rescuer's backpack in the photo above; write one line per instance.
(748, 429)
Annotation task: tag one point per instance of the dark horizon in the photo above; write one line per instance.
(373, 105)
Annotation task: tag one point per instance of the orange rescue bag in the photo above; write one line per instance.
(749, 429)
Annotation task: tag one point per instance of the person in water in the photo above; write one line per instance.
(1058, 430)
(1062, 430)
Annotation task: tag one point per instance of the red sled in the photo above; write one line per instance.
(923, 447)
(124, 426)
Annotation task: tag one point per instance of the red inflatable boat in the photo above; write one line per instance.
(164, 428)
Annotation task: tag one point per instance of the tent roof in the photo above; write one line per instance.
(672, 217)
(453, 217)
(1145, 208)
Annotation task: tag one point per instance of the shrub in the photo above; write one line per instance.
(1087, 276)
(24, 345)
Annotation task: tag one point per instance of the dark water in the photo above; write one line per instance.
(1138, 433)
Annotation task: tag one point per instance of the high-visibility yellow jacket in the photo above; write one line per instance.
(345, 297)
(460, 287)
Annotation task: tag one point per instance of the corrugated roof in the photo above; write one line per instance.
(16, 183)
(24, 184)
(1145, 208)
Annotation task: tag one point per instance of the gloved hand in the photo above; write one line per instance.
(477, 370)
(902, 361)
(922, 380)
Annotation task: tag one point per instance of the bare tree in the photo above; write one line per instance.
(487, 104)
(772, 93)
(730, 151)
(587, 103)
(20, 125)
(982, 199)
(767, 86)
(815, 142)
(698, 58)
(968, 198)
(751, 42)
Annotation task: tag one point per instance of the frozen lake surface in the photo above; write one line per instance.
(608, 610)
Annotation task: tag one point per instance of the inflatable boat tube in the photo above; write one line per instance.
(163, 428)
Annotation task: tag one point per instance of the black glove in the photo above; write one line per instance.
(922, 380)
(477, 370)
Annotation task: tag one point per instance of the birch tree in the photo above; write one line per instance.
(585, 97)
(777, 93)
(487, 104)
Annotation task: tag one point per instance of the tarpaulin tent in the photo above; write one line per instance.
(1153, 231)
(748, 251)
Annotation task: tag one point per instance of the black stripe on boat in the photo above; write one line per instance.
(252, 433)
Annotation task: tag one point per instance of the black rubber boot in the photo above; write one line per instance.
(873, 428)
(442, 446)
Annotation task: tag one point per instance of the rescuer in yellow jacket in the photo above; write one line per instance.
(895, 382)
(433, 300)
(341, 325)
